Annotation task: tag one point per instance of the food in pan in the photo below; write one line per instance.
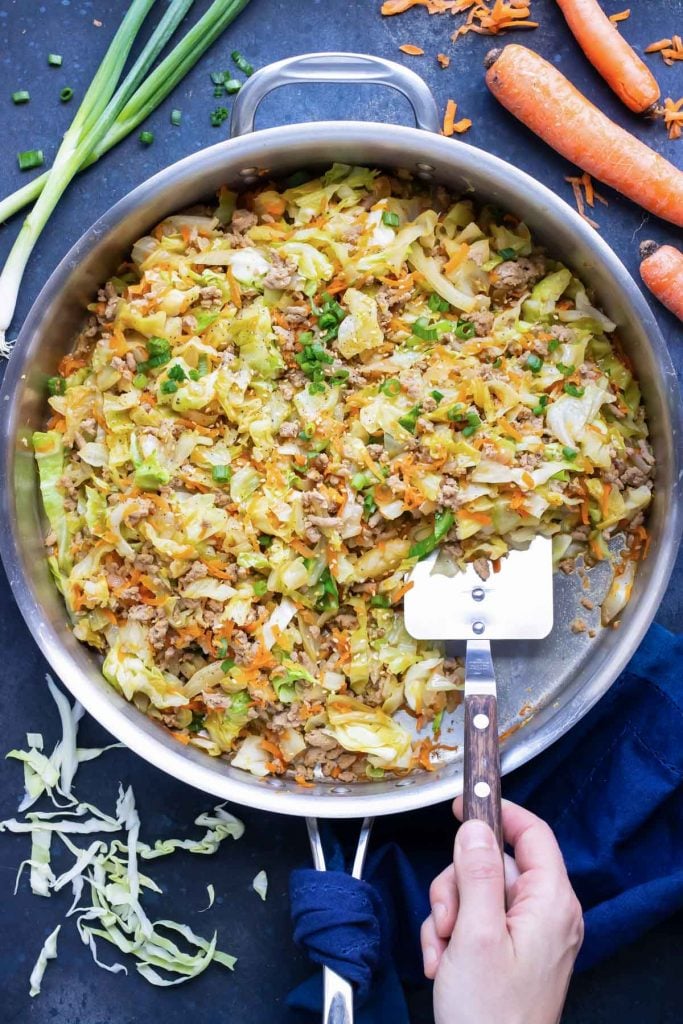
(278, 406)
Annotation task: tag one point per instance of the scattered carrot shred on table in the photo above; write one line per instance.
(673, 117)
(670, 49)
(620, 16)
(413, 51)
(483, 17)
(585, 182)
(450, 125)
(443, 59)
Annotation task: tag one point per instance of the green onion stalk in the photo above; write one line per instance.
(106, 117)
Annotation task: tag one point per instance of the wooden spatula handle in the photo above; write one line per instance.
(482, 762)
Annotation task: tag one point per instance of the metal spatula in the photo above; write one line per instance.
(515, 603)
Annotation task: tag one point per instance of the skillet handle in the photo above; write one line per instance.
(481, 797)
(334, 67)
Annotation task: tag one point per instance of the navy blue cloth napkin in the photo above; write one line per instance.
(611, 789)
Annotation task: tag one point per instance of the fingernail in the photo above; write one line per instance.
(429, 958)
(439, 911)
(475, 835)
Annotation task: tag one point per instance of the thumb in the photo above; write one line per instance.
(480, 880)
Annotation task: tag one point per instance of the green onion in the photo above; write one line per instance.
(29, 159)
(54, 60)
(409, 421)
(265, 540)
(217, 77)
(456, 412)
(565, 370)
(260, 587)
(497, 362)
(197, 722)
(328, 594)
(443, 520)
(227, 664)
(232, 85)
(390, 387)
(168, 387)
(380, 601)
(437, 304)
(361, 480)
(176, 117)
(534, 363)
(390, 219)
(570, 453)
(437, 396)
(193, 374)
(421, 329)
(573, 390)
(56, 385)
(436, 724)
(316, 388)
(105, 117)
(140, 380)
(222, 648)
(221, 474)
(22, 96)
(307, 433)
(369, 504)
(218, 116)
(553, 345)
(146, 137)
(244, 65)
(176, 372)
(339, 377)
(465, 329)
(66, 94)
(219, 91)
(473, 424)
(508, 253)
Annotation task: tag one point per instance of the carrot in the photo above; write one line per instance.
(547, 103)
(662, 271)
(610, 54)
(412, 50)
(443, 59)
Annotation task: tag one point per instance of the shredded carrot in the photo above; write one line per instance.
(449, 117)
(604, 500)
(272, 748)
(411, 50)
(673, 117)
(585, 182)
(69, 364)
(401, 592)
(620, 16)
(670, 49)
(443, 59)
(301, 781)
(235, 293)
(181, 737)
(458, 257)
(509, 429)
(463, 125)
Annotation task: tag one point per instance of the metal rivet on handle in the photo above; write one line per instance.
(482, 789)
(425, 167)
(248, 172)
(480, 721)
(478, 594)
(478, 628)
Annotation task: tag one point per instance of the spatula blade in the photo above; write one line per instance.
(515, 603)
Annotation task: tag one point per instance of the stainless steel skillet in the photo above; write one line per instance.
(561, 677)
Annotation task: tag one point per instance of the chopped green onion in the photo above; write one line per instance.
(219, 91)
(390, 387)
(437, 304)
(316, 387)
(265, 540)
(232, 85)
(497, 362)
(565, 370)
(473, 424)
(221, 474)
(390, 218)
(436, 724)
(508, 253)
(260, 587)
(443, 520)
(553, 345)
(456, 412)
(222, 648)
(56, 385)
(570, 453)
(534, 363)
(146, 137)
(176, 117)
(244, 65)
(437, 396)
(218, 116)
(328, 594)
(369, 504)
(409, 421)
(573, 390)
(30, 158)
(339, 377)
(422, 330)
(21, 96)
(361, 480)
(218, 77)
(380, 601)
(140, 380)
(193, 374)
(464, 329)
(66, 93)
(54, 60)
(176, 372)
(168, 387)
(227, 664)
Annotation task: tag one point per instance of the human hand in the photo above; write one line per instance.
(496, 966)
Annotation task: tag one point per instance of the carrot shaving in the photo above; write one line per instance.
(69, 364)
(670, 49)
(301, 781)
(411, 50)
(401, 592)
(449, 118)
(462, 125)
(604, 500)
(576, 184)
(673, 117)
(620, 16)
(458, 257)
(235, 293)
(181, 737)
(443, 59)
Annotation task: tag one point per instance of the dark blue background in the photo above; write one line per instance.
(642, 983)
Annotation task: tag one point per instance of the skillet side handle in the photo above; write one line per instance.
(350, 68)
(481, 797)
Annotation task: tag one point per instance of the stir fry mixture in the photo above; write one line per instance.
(278, 407)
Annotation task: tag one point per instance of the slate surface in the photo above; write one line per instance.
(639, 985)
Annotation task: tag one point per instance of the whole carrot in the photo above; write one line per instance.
(662, 271)
(610, 54)
(547, 103)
